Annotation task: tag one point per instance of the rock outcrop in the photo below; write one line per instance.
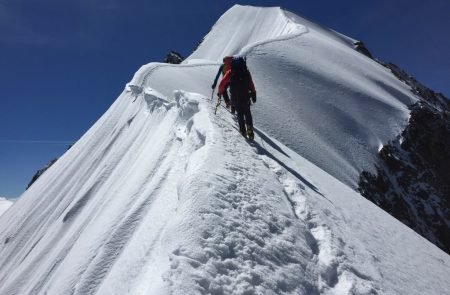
(361, 48)
(173, 57)
(43, 169)
(412, 182)
(40, 172)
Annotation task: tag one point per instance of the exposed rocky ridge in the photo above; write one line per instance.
(438, 100)
(173, 57)
(361, 48)
(41, 171)
(412, 182)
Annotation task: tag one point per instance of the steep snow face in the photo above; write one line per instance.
(162, 196)
(243, 27)
(316, 94)
(4, 205)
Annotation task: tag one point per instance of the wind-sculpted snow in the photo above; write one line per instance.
(161, 196)
(335, 110)
(241, 27)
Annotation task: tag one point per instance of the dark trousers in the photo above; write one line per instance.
(225, 96)
(244, 115)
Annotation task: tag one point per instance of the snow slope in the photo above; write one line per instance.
(161, 196)
(318, 95)
(4, 205)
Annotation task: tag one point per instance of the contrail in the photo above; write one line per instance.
(25, 141)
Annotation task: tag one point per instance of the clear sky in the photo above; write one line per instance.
(63, 63)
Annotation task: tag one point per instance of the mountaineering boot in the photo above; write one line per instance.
(228, 105)
(250, 133)
(243, 132)
(232, 109)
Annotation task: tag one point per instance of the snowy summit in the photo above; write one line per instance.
(162, 196)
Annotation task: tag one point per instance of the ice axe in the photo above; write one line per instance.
(212, 95)
(218, 104)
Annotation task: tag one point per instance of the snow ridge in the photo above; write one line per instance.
(231, 35)
(247, 246)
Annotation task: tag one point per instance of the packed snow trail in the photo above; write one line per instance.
(347, 258)
(248, 232)
(161, 196)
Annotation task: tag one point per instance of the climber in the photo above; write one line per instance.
(239, 79)
(222, 70)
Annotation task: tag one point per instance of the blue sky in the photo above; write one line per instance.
(63, 63)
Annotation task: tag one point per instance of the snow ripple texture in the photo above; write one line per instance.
(251, 242)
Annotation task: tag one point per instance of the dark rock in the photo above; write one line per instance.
(437, 99)
(387, 153)
(412, 179)
(41, 171)
(361, 48)
(173, 57)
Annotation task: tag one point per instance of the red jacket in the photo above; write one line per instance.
(227, 64)
(226, 81)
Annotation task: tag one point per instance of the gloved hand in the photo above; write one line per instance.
(254, 97)
(213, 86)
